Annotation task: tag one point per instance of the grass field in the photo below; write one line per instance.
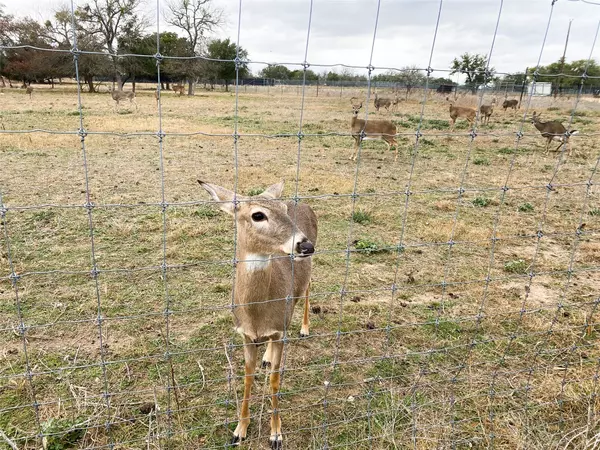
(463, 315)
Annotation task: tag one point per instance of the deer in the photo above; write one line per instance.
(180, 88)
(371, 130)
(461, 111)
(29, 90)
(395, 103)
(382, 101)
(266, 287)
(486, 111)
(553, 130)
(117, 96)
(513, 104)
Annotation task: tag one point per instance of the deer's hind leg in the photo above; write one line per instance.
(355, 151)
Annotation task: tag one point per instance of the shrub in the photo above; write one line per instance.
(516, 266)
(481, 202)
(525, 207)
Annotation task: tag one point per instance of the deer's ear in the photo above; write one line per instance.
(225, 197)
(273, 191)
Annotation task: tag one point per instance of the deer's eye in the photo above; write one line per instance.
(258, 217)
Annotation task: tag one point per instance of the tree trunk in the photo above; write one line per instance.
(190, 86)
(90, 82)
(133, 83)
(226, 85)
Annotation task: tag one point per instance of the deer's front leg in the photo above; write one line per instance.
(250, 352)
(276, 439)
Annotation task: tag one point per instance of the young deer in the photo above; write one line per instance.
(461, 111)
(117, 96)
(486, 111)
(513, 104)
(382, 101)
(553, 130)
(264, 286)
(370, 130)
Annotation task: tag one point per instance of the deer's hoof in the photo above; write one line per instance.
(276, 442)
(236, 440)
(265, 364)
(304, 334)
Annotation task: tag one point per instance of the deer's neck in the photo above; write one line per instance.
(253, 277)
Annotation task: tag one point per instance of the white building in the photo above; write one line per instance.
(540, 88)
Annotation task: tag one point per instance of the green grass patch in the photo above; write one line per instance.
(481, 162)
(254, 191)
(516, 266)
(594, 212)
(361, 217)
(525, 207)
(481, 202)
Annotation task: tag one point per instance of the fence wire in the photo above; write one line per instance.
(477, 347)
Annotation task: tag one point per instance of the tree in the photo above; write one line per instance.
(114, 21)
(573, 70)
(225, 70)
(195, 18)
(277, 72)
(299, 75)
(474, 68)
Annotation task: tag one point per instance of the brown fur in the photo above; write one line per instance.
(374, 129)
(382, 102)
(461, 111)
(117, 96)
(513, 104)
(552, 130)
(486, 111)
(261, 311)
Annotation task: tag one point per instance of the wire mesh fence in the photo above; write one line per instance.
(454, 292)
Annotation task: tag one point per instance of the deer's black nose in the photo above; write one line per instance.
(305, 247)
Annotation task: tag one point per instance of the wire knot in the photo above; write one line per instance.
(473, 134)
(158, 57)
(89, 205)
(75, 52)
(429, 70)
(370, 68)
(418, 134)
(94, 273)
(519, 134)
(300, 135)
(161, 135)
(305, 65)
(82, 134)
(14, 277)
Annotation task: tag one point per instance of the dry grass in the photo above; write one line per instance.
(447, 360)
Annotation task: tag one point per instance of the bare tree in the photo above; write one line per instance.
(195, 18)
(112, 19)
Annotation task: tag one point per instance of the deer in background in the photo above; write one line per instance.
(180, 88)
(382, 102)
(29, 91)
(553, 130)
(267, 227)
(370, 130)
(461, 111)
(513, 104)
(395, 103)
(486, 111)
(117, 96)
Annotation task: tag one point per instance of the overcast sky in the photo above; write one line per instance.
(342, 30)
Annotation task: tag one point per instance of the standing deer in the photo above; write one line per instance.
(29, 90)
(513, 104)
(486, 111)
(117, 96)
(553, 130)
(370, 130)
(382, 101)
(267, 289)
(395, 103)
(180, 88)
(461, 111)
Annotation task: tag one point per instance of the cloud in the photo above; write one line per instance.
(342, 30)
